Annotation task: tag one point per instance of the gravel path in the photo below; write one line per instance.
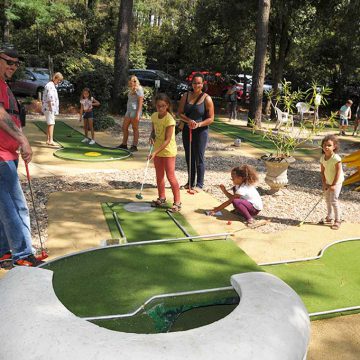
(303, 191)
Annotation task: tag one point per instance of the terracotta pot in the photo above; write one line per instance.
(276, 173)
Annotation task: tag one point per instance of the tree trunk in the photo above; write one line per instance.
(122, 44)
(277, 59)
(5, 23)
(256, 96)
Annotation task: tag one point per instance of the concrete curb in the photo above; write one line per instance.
(270, 323)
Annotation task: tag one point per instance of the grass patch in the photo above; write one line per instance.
(331, 282)
(140, 226)
(74, 149)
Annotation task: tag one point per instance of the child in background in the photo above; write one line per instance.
(357, 121)
(332, 178)
(345, 115)
(245, 198)
(165, 150)
(86, 112)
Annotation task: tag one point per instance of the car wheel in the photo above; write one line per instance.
(39, 93)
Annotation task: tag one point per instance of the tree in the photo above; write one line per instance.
(259, 62)
(122, 43)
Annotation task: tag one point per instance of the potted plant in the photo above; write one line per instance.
(286, 141)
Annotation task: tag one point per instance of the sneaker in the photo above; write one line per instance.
(198, 189)
(6, 257)
(85, 140)
(133, 148)
(30, 261)
(123, 146)
(91, 142)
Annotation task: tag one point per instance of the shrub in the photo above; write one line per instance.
(102, 121)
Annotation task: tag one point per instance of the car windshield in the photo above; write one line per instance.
(41, 74)
(166, 76)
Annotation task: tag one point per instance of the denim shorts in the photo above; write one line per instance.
(88, 115)
(344, 121)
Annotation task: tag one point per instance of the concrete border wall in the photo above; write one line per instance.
(270, 322)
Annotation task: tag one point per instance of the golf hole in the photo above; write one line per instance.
(92, 153)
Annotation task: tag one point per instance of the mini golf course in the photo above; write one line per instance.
(330, 281)
(73, 149)
(255, 139)
(151, 287)
(127, 220)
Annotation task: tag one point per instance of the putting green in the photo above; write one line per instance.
(118, 280)
(140, 226)
(330, 282)
(257, 140)
(73, 149)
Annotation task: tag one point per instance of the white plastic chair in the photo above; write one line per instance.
(283, 118)
(303, 108)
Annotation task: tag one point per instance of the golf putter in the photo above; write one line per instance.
(43, 254)
(314, 207)
(190, 190)
(139, 195)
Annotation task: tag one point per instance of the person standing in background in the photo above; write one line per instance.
(50, 106)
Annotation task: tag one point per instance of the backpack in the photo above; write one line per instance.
(22, 113)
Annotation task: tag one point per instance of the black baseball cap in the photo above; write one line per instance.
(10, 50)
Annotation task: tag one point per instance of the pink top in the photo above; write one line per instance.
(8, 145)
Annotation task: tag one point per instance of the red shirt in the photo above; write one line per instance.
(8, 144)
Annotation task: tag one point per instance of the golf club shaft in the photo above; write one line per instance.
(317, 203)
(146, 168)
(190, 142)
(33, 203)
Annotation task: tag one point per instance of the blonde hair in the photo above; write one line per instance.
(138, 85)
(58, 75)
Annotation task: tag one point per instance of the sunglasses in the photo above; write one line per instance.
(10, 62)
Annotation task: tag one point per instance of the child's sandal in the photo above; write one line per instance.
(336, 225)
(158, 202)
(176, 207)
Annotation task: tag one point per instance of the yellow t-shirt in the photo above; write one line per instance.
(160, 126)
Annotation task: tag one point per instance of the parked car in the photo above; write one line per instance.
(33, 80)
(215, 82)
(159, 79)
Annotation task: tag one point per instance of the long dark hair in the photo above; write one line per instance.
(164, 97)
(82, 93)
(247, 172)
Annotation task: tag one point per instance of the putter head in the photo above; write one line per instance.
(191, 192)
(139, 196)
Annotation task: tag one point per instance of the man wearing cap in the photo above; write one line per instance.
(15, 231)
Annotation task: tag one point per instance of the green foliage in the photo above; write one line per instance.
(148, 105)
(290, 139)
(102, 121)
(137, 57)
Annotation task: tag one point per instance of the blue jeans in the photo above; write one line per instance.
(15, 231)
(198, 145)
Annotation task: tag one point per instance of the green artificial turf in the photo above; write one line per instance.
(255, 139)
(117, 280)
(141, 226)
(74, 149)
(331, 282)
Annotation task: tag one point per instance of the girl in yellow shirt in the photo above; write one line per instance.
(164, 151)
